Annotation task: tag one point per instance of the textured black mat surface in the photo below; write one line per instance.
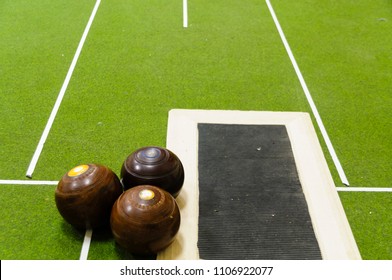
(251, 203)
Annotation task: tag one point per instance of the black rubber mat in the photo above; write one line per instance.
(251, 203)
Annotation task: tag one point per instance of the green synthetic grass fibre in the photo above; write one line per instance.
(38, 41)
(342, 48)
(32, 228)
(136, 68)
(371, 222)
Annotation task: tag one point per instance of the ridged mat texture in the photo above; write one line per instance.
(251, 203)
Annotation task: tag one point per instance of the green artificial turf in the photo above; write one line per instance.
(31, 227)
(371, 223)
(38, 41)
(103, 247)
(342, 50)
(139, 63)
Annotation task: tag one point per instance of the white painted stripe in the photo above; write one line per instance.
(27, 182)
(55, 183)
(86, 245)
(328, 142)
(185, 12)
(56, 107)
(362, 189)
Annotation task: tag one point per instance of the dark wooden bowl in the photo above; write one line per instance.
(145, 220)
(155, 166)
(85, 195)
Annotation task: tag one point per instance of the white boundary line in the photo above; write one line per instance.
(56, 107)
(55, 183)
(362, 189)
(27, 182)
(185, 13)
(86, 245)
(328, 142)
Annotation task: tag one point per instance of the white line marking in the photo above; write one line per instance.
(363, 189)
(55, 183)
(86, 245)
(185, 12)
(56, 107)
(27, 182)
(328, 142)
